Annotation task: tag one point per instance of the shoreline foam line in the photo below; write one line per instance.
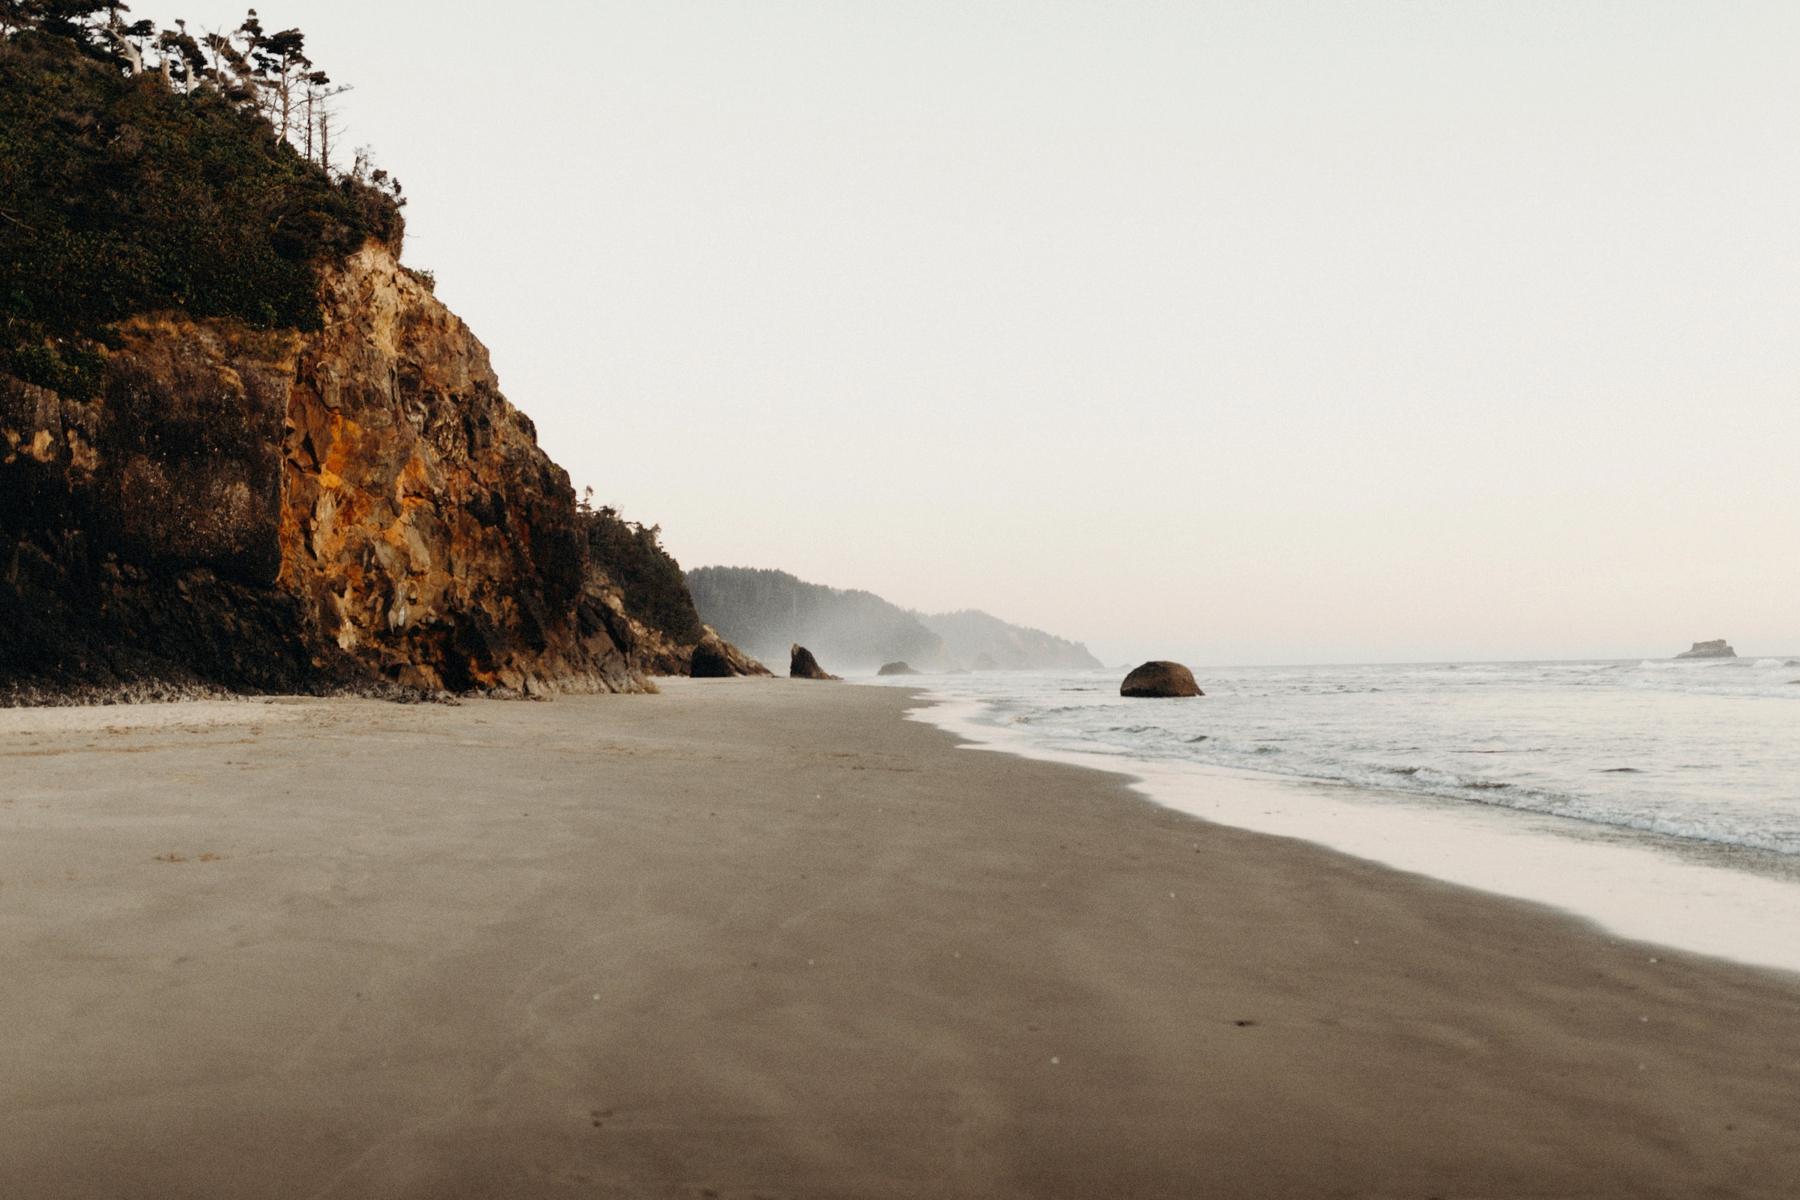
(1615, 878)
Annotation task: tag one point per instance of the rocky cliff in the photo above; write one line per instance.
(284, 511)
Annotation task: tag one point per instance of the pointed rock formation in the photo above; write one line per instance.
(802, 664)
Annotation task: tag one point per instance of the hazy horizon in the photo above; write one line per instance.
(1233, 334)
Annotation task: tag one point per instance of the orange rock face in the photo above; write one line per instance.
(277, 511)
(419, 519)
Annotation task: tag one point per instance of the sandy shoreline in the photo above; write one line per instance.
(764, 938)
(1713, 899)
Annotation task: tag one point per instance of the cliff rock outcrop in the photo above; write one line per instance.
(1712, 649)
(277, 511)
(420, 522)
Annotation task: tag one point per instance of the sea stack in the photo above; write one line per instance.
(1158, 679)
(716, 658)
(802, 664)
(897, 668)
(1712, 649)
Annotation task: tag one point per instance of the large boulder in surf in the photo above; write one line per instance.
(1155, 679)
(1713, 649)
(897, 668)
(802, 664)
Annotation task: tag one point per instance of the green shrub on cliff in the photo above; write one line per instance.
(127, 189)
(633, 557)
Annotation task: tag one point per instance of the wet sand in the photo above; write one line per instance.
(758, 938)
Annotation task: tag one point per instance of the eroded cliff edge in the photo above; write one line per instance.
(356, 508)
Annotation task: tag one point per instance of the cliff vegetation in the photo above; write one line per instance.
(650, 581)
(142, 171)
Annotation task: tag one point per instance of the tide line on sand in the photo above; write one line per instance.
(1636, 886)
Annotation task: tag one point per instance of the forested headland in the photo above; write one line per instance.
(146, 169)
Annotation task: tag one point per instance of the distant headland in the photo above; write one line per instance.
(765, 611)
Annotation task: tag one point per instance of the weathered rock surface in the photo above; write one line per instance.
(716, 658)
(138, 531)
(421, 524)
(1160, 678)
(802, 664)
(897, 668)
(257, 511)
(1713, 649)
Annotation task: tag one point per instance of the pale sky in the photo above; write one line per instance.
(1232, 333)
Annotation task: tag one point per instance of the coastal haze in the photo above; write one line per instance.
(1293, 333)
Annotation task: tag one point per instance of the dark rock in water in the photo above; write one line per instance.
(985, 662)
(1160, 679)
(1713, 649)
(897, 668)
(716, 658)
(802, 664)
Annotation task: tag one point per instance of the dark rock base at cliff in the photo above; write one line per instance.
(76, 629)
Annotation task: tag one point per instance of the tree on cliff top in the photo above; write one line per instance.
(648, 577)
(144, 171)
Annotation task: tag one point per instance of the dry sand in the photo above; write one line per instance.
(766, 939)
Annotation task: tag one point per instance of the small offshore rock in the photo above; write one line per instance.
(802, 664)
(1160, 679)
(897, 668)
(1712, 649)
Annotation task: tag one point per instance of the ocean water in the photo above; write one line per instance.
(1706, 749)
(1659, 798)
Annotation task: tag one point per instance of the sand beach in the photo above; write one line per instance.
(767, 938)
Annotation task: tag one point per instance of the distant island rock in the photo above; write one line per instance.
(1712, 649)
(985, 662)
(1157, 679)
(802, 664)
(897, 668)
